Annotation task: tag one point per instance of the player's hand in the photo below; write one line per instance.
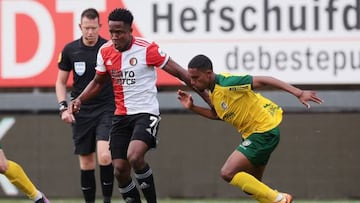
(185, 99)
(67, 117)
(308, 95)
(74, 106)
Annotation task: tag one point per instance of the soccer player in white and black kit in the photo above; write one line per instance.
(131, 63)
(92, 127)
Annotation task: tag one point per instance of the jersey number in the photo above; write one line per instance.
(153, 125)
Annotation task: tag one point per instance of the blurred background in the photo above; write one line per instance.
(312, 44)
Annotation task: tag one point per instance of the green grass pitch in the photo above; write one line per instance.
(118, 200)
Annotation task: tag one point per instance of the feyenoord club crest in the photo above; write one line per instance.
(133, 61)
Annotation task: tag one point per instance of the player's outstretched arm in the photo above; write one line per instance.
(304, 96)
(187, 101)
(90, 91)
(176, 70)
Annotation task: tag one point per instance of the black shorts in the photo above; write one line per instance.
(91, 124)
(141, 126)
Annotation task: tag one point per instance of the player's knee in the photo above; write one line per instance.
(226, 175)
(104, 159)
(3, 168)
(136, 160)
(121, 172)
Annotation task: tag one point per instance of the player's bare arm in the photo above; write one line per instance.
(176, 70)
(187, 101)
(304, 96)
(60, 87)
(91, 90)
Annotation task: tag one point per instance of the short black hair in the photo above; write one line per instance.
(90, 13)
(201, 62)
(121, 14)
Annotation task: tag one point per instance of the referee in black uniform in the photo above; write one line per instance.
(92, 124)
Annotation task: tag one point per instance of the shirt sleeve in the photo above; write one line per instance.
(100, 66)
(155, 56)
(64, 62)
(225, 79)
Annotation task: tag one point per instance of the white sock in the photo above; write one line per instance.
(38, 196)
(279, 197)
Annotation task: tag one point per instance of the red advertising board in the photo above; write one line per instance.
(33, 33)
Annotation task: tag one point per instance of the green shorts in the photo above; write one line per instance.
(259, 146)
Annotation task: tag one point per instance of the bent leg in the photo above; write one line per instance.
(127, 186)
(18, 177)
(143, 172)
(240, 172)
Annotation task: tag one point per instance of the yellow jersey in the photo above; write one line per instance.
(236, 103)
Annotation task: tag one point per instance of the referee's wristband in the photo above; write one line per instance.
(63, 106)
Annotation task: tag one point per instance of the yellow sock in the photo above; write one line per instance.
(253, 186)
(17, 176)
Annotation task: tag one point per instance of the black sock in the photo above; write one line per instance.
(88, 185)
(130, 193)
(145, 179)
(40, 200)
(107, 181)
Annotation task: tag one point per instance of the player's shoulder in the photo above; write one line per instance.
(106, 46)
(143, 42)
(227, 75)
(72, 45)
(227, 79)
(107, 49)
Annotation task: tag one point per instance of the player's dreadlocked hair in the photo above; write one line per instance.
(121, 14)
(90, 13)
(201, 62)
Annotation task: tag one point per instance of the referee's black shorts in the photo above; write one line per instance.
(91, 124)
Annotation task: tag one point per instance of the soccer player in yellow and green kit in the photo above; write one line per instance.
(254, 116)
(17, 176)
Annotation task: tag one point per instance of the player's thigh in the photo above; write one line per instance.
(238, 162)
(104, 125)
(84, 132)
(102, 138)
(103, 147)
(84, 140)
(235, 163)
(146, 129)
(142, 127)
(136, 153)
(120, 136)
(258, 147)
